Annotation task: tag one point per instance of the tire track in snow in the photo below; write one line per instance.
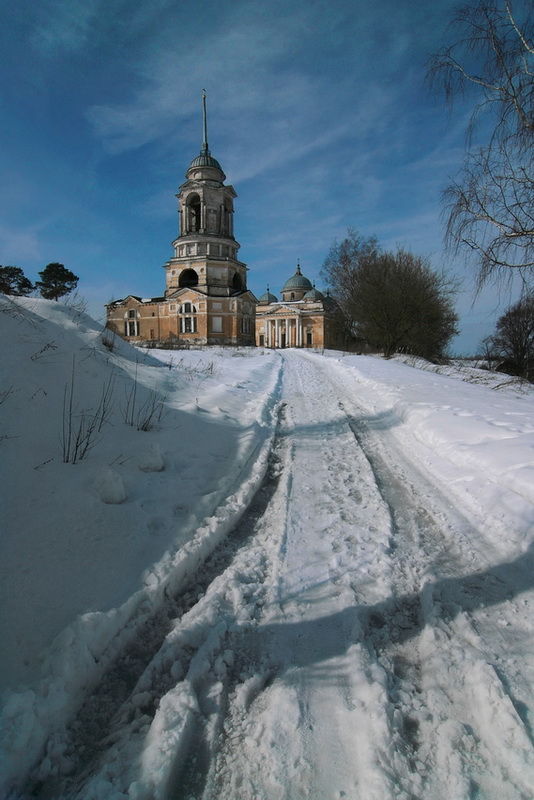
(271, 669)
(464, 760)
(296, 732)
(396, 675)
(429, 732)
(329, 655)
(109, 708)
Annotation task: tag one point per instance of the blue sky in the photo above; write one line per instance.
(317, 111)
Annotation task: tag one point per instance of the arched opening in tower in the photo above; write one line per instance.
(194, 212)
(226, 224)
(188, 278)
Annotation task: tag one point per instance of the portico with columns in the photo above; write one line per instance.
(287, 328)
(304, 317)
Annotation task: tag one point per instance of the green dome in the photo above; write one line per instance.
(267, 298)
(205, 160)
(314, 294)
(298, 281)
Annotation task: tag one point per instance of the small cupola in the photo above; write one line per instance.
(267, 298)
(204, 166)
(314, 295)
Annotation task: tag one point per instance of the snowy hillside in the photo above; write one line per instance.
(248, 574)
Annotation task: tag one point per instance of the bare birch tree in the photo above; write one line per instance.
(490, 204)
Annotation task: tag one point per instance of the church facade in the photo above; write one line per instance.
(206, 299)
(303, 318)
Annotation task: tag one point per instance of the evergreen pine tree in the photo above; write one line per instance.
(56, 281)
(14, 281)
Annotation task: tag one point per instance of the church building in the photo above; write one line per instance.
(206, 299)
(304, 317)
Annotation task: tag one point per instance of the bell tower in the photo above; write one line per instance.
(206, 298)
(205, 252)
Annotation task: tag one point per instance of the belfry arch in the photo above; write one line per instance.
(188, 278)
(194, 208)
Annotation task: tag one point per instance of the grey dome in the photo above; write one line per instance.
(314, 294)
(297, 281)
(205, 160)
(267, 298)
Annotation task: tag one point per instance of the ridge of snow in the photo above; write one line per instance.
(88, 549)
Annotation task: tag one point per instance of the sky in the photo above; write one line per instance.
(318, 111)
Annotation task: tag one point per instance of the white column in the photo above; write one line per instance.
(287, 332)
(277, 333)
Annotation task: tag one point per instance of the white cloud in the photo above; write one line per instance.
(64, 25)
(265, 90)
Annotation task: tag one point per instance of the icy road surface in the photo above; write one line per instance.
(355, 637)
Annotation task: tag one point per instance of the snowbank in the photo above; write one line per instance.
(470, 429)
(92, 537)
(123, 469)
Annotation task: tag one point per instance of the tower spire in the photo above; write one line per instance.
(205, 149)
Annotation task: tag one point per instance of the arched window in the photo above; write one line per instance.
(188, 278)
(193, 203)
(237, 283)
(226, 220)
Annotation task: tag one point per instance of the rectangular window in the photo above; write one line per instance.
(188, 325)
(152, 334)
(262, 340)
(216, 324)
(308, 339)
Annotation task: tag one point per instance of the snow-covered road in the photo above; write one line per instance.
(356, 636)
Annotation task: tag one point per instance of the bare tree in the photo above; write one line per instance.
(514, 338)
(394, 302)
(490, 205)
